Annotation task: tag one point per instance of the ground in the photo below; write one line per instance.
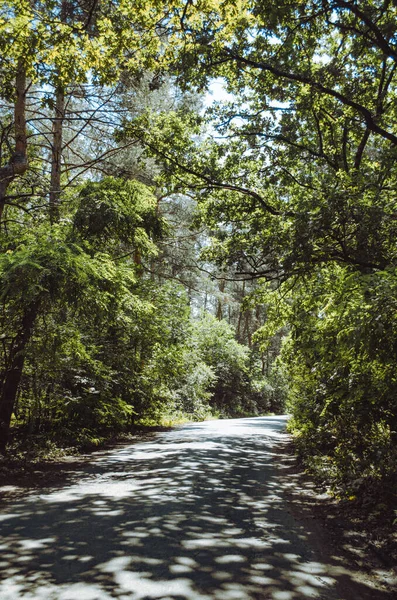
(209, 511)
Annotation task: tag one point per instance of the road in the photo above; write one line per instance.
(203, 512)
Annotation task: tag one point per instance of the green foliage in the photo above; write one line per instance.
(341, 358)
(195, 385)
(216, 344)
(92, 312)
(63, 43)
(237, 385)
(113, 212)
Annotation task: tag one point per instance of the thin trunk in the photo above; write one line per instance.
(18, 163)
(240, 316)
(13, 375)
(219, 310)
(56, 159)
(247, 331)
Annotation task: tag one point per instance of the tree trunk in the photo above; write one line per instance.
(18, 163)
(247, 331)
(9, 389)
(219, 310)
(240, 316)
(56, 159)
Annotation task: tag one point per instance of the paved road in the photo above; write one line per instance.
(198, 513)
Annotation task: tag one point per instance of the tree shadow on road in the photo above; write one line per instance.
(197, 513)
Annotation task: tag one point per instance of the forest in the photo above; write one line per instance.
(198, 219)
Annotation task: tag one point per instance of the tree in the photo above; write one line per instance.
(84, 261)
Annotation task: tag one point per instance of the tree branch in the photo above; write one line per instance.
(316, 85)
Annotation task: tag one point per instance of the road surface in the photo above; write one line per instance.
(202, 512)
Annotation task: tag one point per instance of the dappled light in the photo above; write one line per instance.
(200, 512)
